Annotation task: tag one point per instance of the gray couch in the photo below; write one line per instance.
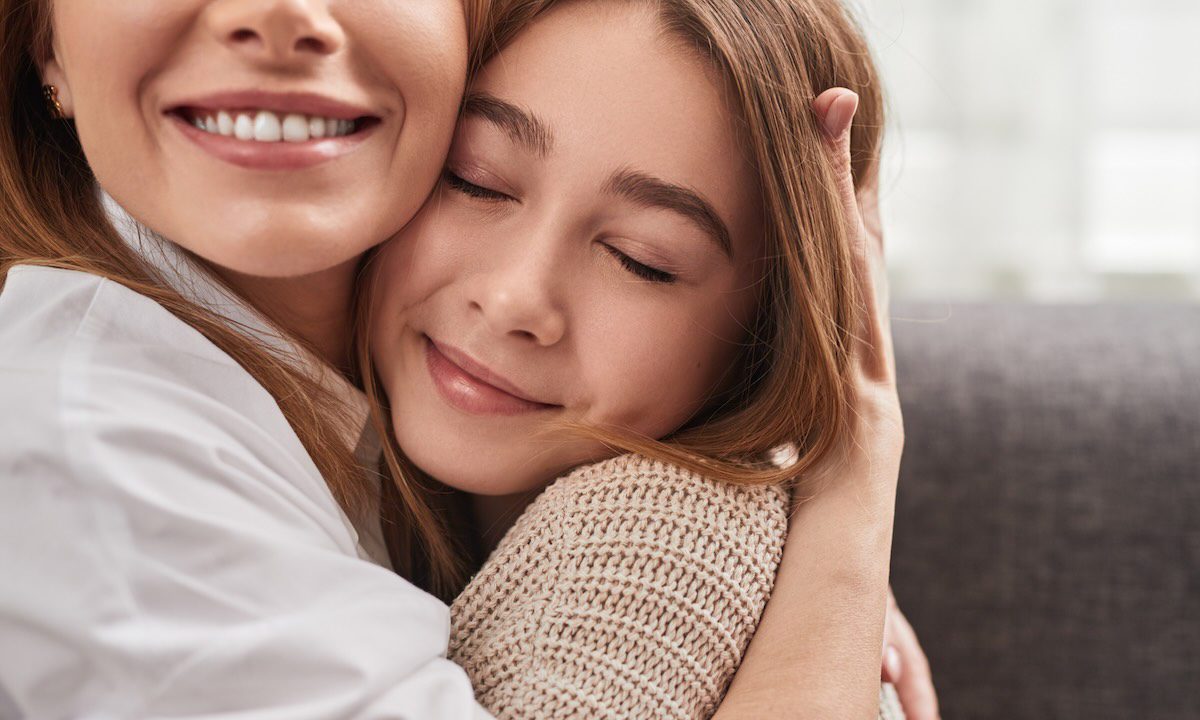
(1047, 541)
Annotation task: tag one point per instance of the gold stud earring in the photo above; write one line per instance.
(56, 109)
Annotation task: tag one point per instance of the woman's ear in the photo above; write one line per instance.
(53, 75)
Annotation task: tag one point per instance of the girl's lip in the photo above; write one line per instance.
(254, 155)
(470, 393)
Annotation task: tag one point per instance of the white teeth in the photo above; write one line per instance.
(295, 128)
(243, 128)
(267, 126)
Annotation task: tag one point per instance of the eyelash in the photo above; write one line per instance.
(471, 189)
(641, 270)
(645, 272)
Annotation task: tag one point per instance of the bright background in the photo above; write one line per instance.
(1044, 150)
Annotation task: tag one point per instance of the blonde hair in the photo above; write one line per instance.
(50, 215)
(794, 387)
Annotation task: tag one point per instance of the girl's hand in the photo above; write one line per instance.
(906, 667)
(879, 431)
(904, 663)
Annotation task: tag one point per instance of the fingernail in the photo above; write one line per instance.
(841, 114)
(892, 661)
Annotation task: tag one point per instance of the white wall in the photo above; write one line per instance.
(1041, 149)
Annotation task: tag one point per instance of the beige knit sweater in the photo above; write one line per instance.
(628, 589)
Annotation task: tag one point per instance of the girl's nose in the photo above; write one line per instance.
(520, 300)
(277, 32)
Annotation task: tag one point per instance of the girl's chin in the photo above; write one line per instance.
(477, 486)
(490, 481)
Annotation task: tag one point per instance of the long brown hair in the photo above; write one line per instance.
(50, 215)
(794, 386)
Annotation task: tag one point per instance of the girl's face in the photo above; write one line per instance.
(325, 122)
(590, 256)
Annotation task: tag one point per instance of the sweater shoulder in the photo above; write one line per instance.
(636, 500)
(629, 587)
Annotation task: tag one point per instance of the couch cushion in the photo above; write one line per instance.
(1047, 542)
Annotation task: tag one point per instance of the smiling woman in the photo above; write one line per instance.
(178, 466)
(246, 72)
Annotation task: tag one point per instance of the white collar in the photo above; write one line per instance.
(197, 284)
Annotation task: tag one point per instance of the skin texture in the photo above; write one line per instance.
(529, 280)
(120, 66)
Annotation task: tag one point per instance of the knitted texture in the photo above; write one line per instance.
(628, 589)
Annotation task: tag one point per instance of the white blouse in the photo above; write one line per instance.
(167, 547)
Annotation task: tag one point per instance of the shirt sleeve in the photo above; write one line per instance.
(165, 553)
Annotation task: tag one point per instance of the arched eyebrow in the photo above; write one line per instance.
(653, 192)
(522, 126)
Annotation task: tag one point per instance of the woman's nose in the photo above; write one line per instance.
(520, 300)
(278, 32)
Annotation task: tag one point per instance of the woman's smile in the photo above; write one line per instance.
(275, 131)
(273, 139)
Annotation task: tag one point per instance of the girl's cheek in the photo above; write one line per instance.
(632, 363)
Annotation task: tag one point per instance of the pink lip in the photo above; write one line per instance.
(287, 102)
(254, 155)
(471, 387)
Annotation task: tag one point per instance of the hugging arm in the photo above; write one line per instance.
(817, 651)
(155, 588)
(169, 550)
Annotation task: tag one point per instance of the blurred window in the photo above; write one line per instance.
(1041, 149)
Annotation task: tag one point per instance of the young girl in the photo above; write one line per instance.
(639, 244)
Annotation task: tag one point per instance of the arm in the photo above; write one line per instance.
(824, 624)
(166, 554)
(817, 650)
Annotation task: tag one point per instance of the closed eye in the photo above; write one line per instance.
(471, 189)
(643, 271)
